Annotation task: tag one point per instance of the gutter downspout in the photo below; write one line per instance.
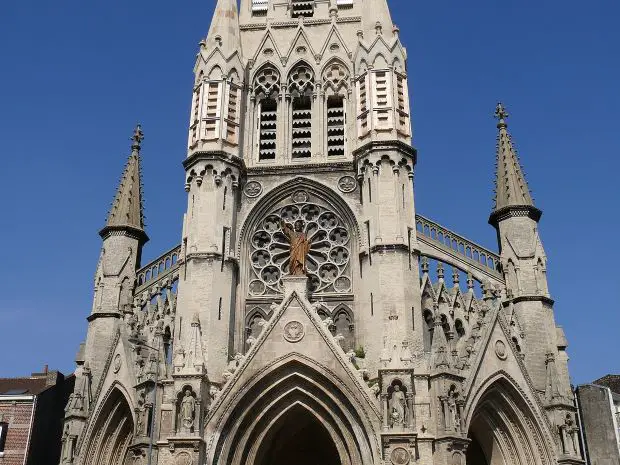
(582, 440)
(34, 409)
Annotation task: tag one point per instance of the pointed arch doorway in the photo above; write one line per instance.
(298, 438)
(503, 430)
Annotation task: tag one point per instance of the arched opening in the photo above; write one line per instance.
(504, 431)
(113, 432)
(294, 413)
(299, 438)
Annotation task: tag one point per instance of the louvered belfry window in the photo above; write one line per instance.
(335, 86)
(301, 88)
(335, 126)
(212, 110)
(363, 109)
(233, 110)
(403, 104)
(302, 8)
(266, 90)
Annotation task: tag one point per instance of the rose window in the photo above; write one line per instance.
(329, 257)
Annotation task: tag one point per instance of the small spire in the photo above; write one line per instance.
(224, 31)
(127, 210)
(511, 188)
(377, 19)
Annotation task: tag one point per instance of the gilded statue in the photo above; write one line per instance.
(300, 247)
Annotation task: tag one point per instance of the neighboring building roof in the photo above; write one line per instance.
(35, 384)
(610, 381)
(22, 386)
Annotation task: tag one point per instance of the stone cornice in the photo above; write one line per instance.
(514, 211)
(328, 167)
(377, 146)
(209, 155)
(96, 316)
(124, 230)
(530, 298)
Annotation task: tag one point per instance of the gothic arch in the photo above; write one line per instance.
(504, 427)
(114, 427)
(287, 189)
(293, 388)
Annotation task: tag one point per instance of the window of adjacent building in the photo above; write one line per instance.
(266, 89)
(302, 8)
(301, 88)
(4, 428)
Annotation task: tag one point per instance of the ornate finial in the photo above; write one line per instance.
(137, 138)
(425, 266)
(470, 282)
(456, 278)
(501, 114)
(440, 272)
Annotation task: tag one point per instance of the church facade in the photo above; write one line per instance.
(310, 315)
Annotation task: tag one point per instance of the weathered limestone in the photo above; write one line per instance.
(403, 343)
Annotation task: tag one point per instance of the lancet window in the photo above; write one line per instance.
(363, 107)
(301, 89)
(266, 90)
(233, 109)
(402, 109)
(382, 98)
(335, 85)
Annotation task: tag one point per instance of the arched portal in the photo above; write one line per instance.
(295, 413)
(503, 430)
(300, 438)
(114, 427)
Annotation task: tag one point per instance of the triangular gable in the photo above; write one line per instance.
(267, 42)
(301, 40)
(295, 329)
(334, 36)
(497, 357)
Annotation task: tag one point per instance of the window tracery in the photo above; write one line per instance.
(301, 88)
(266, 90)
(328, 261)
(335, 84)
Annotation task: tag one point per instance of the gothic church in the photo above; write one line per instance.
(310, 315)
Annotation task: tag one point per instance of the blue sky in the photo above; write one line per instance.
(77, 75)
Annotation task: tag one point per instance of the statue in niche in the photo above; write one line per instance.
(300, 247)
(398, 406)
(454, 416)
(188, 411)
(569, 436)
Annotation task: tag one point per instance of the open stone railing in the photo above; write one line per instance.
(158, 269)
(445, 245)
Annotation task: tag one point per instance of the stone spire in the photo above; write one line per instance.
(512, 191)
(377, 19)
(127, 211)
(224, 30)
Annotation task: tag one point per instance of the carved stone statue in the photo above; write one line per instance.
(398, 406)
(300, 247)
(188, 411)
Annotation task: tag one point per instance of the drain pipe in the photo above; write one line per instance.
(582, 441)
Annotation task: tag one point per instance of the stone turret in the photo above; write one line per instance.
(214, 169)
(123, 238)
(524, 265)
